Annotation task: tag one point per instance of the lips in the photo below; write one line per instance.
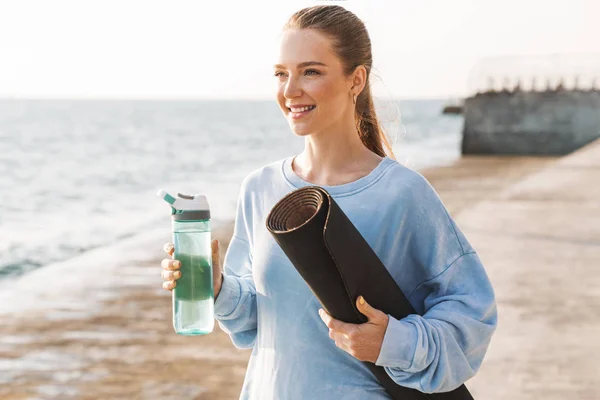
(301, 107)
(300, 114)
(298, 105)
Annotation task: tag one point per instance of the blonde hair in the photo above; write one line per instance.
(352, 45)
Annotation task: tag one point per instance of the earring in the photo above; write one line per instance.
(354, 99)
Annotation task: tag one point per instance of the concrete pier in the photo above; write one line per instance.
(540, 241)
(551, 122)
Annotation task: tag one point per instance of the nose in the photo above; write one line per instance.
(292, 88)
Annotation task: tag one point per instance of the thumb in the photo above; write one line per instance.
(216, 255)
(373, 315)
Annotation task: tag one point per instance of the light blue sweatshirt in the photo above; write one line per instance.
(264, 304)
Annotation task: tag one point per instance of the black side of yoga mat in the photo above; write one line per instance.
(328, 251)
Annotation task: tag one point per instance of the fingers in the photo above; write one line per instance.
(170, 275)
(169, 248)
(169, 285)
(333, 323)
(170, 268)
(170, 264)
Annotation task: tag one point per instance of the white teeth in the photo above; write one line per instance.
(301, 109)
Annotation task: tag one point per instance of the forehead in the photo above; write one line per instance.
(298, 45)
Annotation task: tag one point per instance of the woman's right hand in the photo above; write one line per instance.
(171, 272)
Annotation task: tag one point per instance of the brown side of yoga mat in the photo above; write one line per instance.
(338, 265)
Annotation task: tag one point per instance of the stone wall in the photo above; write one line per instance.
(538, 123)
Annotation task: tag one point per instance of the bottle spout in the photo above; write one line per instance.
(166, 196)
(163, 194)
(184, 202)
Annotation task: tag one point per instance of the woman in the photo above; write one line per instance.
(298, 351)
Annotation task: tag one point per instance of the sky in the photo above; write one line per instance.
(130, 49)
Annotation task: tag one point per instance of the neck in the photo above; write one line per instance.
(334, 156)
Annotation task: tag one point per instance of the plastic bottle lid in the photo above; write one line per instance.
(186, 207)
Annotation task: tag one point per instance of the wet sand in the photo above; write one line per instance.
(127, 349)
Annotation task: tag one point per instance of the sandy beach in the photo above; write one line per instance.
(533, 220)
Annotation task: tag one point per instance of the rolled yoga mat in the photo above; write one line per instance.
(338, 265)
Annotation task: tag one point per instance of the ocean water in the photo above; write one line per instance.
(79, 177)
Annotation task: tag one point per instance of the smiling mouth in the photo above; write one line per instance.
(298, 114)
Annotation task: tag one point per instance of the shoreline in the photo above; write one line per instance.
(126, 348)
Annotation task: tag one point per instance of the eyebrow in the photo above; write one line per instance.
(303, 64)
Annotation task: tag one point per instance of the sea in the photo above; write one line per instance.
(79, 177)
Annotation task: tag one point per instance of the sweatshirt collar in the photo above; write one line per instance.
(337, 190)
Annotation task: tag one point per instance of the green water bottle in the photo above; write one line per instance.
(193, 296)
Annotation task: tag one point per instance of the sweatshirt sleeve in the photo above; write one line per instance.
(439, 351)
(235, 306)
(443, 345)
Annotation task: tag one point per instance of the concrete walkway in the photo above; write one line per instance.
(540, 241)
(472, 179)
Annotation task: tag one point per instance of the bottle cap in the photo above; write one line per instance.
(186, 207)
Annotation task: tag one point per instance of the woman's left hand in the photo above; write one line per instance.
(362, 341)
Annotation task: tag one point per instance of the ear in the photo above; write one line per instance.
(358, 79)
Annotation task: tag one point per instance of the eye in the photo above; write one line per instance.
(307, 72)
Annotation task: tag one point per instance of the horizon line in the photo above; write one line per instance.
(189, 98)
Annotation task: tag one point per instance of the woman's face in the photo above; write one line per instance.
(309, 74)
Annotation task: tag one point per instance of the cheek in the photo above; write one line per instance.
(329, 95)
(322, 91)
(279, 96)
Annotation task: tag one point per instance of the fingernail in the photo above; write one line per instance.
(177, 274)
(361, 300)
(176, 263)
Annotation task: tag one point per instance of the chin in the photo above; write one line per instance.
(298, 131)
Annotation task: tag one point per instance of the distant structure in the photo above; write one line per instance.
(543, 106)
(454, 107)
